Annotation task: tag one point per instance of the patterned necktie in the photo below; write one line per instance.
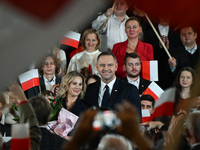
(105, 97)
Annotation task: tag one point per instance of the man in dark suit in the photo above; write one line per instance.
(110, 90)
(188, 54)
(48, 69)
(42, 110)
(132, 65)
(171, 40)
(192, 131)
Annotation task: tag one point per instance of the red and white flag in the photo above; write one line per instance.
(145, 115)
(154, 90)
(71, 38)
(20, 137)
(29, 79)
(165, 105)
(150, 70)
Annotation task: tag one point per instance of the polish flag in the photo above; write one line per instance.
(71, 38)
(154, 90)
(90, 68)
(29, 79)
(145, 115)
(150, 70)
(20, 137)
(165, 105)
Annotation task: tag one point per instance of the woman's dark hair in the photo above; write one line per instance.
(177, 80)
(178, 85)
(94, 76)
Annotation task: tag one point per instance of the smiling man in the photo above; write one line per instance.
(132, 65)
(115, 27)
(110, 90)
(188, 54)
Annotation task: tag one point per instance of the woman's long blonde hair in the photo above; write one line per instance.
(67, 80)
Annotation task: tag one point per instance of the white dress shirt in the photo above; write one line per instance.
(163, 30)
(114, 29)
(102, 90)
(49, 84)
(136, 83)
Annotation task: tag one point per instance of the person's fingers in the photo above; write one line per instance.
(144, 124)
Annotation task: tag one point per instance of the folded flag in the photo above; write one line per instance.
(65, 123)
(20, 137)
(29, 79)
(154, 90)
(71, 38)
(165, 104)
(150, 70)
(145, 115)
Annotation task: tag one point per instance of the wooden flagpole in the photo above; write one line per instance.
(109, 16)
(163, 45)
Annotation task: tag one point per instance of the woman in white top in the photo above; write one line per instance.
(85, 62)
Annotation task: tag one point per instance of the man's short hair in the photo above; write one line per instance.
(107, 54)
(132, 55)
(56, 63)
(41, 107)
(114, 142)
(148, 98)
(186, 26)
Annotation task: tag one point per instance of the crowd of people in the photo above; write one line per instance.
(110, 81)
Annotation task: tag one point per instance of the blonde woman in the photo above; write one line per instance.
(72, 90)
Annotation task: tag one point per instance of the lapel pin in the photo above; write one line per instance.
(142, 85)
(115, 90)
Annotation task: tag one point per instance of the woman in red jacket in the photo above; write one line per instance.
(132, 44)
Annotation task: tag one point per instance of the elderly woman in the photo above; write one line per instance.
(85, 62)
(132, 44)
(72, 90)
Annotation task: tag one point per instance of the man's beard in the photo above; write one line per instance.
(133, 76)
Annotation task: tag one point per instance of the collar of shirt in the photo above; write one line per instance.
(195, 144)
(110, 85)
(136, 83)
(50, 82)
(102, 90)
(191, 51)
(2, 119)
(163, 30)
(115, 17)
(92, 53)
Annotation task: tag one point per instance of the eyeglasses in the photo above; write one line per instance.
(47, 63)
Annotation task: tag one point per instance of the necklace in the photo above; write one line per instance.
(70, 106)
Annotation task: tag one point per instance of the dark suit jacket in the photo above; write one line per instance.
(5, 129)
(142, 86)
(182, 60)
(35, 90)
(197, 147)
(78, 107)
(121, 91)
(50, 141)
(160, 54)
